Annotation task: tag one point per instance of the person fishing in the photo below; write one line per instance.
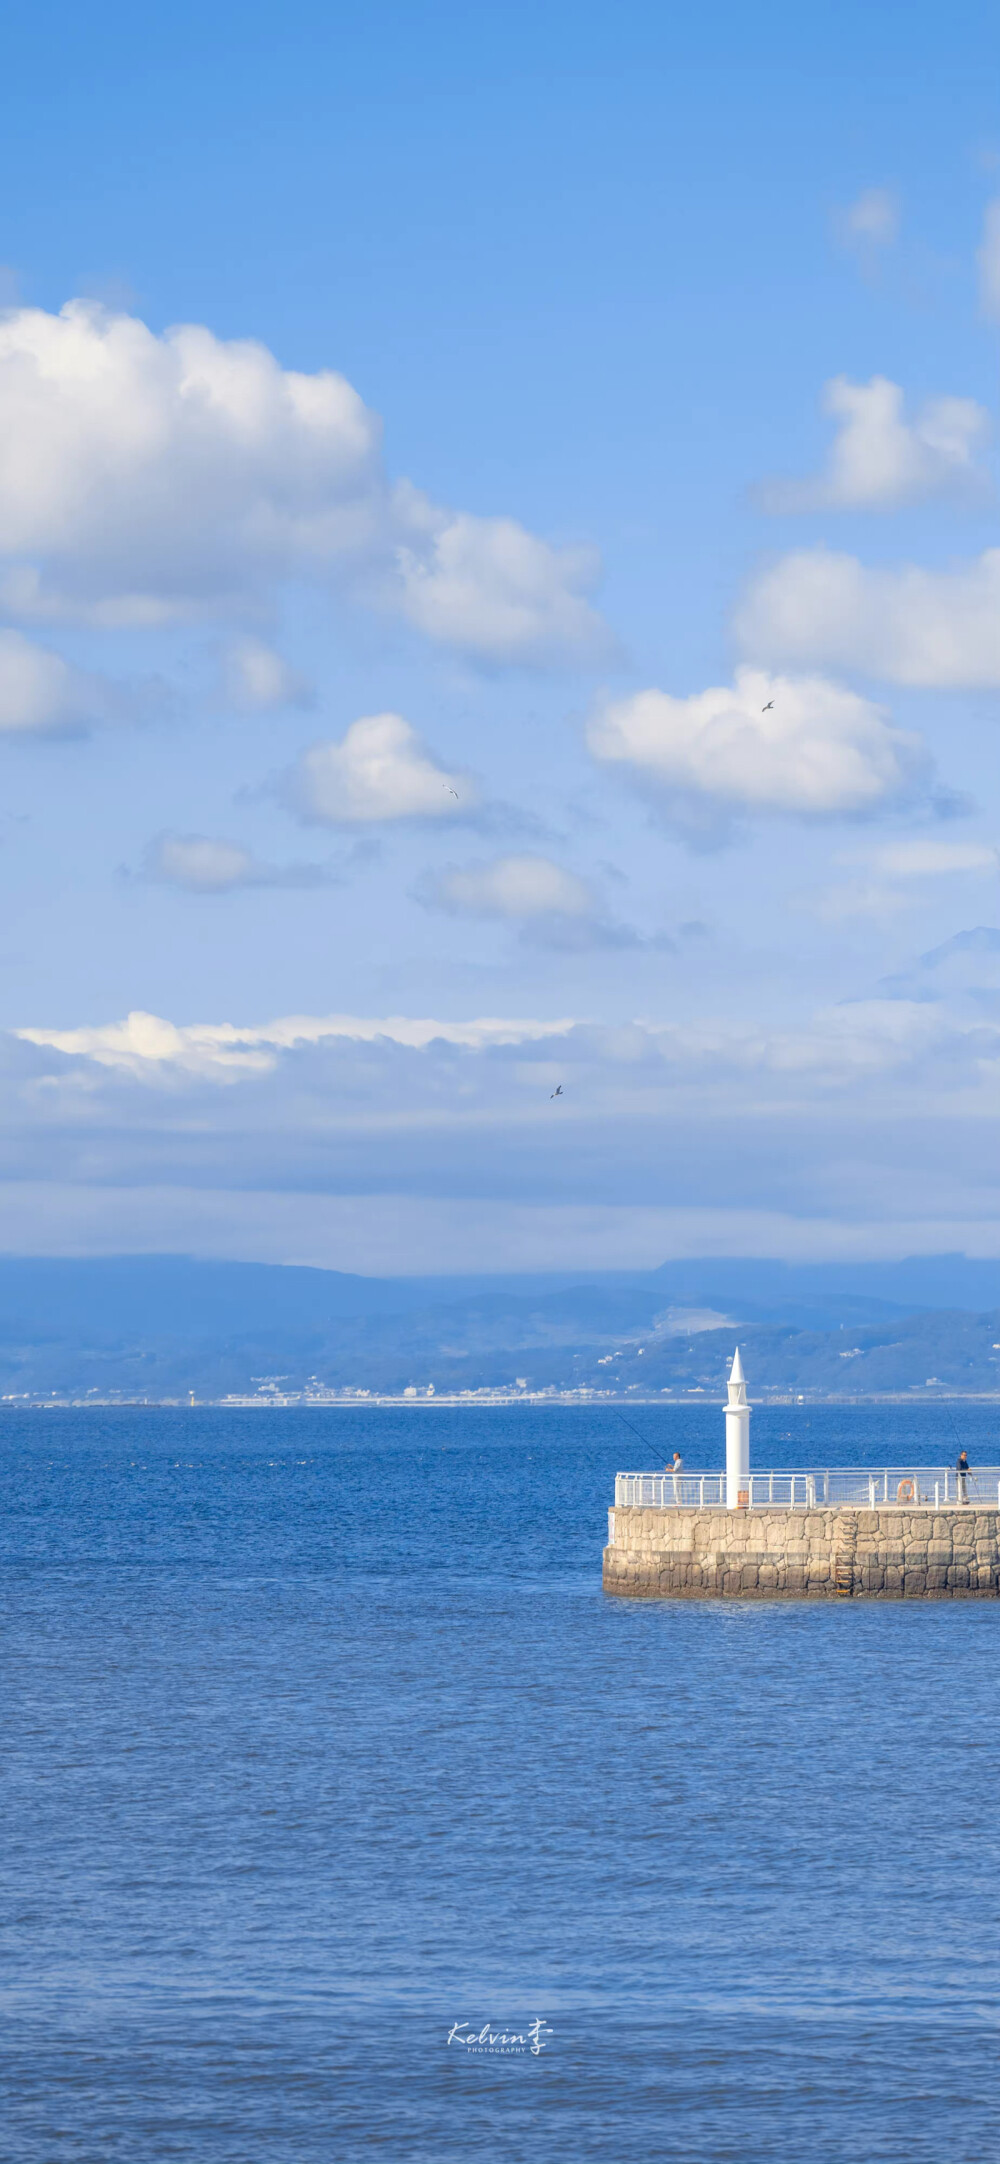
(675, 1468)
(962, 1468)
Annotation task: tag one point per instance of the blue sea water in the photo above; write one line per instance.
(320, 1737)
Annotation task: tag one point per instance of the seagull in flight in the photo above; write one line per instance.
(557, 1092)
(766, 709)
(449, 791)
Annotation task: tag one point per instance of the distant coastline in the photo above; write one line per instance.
(428, 1401)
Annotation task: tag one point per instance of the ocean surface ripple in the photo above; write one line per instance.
(321, 1738)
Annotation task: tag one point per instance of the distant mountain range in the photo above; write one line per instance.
(163, 1326)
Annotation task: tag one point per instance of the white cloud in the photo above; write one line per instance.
(841, 1118)
(894, 871)
(256, 679)
(41, 694)
(378, 770)
(870, 222)
(879, 459)
(147, 479)
(515, 887)
(989, 263)
(924, 858)
(206, 865)
(835, 1044)
(146, 1042)
(912, 626)
(817, 748)
(485, 585)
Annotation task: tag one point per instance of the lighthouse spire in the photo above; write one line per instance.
(737, 1438)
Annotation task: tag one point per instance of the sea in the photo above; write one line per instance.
(345, 1817)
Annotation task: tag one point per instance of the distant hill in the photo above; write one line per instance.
(160, 1326)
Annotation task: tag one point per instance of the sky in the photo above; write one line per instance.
(499, 595)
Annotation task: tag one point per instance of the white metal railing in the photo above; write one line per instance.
(855, 1486)
(664, 1491)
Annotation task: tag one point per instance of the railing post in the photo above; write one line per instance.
(826, 1485)
(885, 1485)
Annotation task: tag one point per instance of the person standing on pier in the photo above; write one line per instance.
(962, 1469)
(675, 1468)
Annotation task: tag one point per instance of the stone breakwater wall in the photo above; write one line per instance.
(893, 1553)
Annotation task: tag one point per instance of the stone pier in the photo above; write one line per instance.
(896, 1552)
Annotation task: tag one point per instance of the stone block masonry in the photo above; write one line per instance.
(897, 1552)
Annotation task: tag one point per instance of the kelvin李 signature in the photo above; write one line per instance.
(502, 2040)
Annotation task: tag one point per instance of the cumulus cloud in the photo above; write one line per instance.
(204, 864)
(553, 907)
(869, 223)
(379, 770)
(798, 745)
(40, 694)
(487, 585)
(909, 625)
(879, 459)
(146, 479)
(988, 259)
(255, 679)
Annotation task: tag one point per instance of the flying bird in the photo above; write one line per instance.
(766, 709)
(557, 1092)
(449, 791)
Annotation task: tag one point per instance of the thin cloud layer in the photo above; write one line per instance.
(924, 858)
(894, 876)
(879, 460)
(908, 625)
(841, 1120)
(513, 887)
(206, 864)
(257, 680)
(146, 480)
(869, 223)
(144, 1043)
(794, 745)
(379, 770)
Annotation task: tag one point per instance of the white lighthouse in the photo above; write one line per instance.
(737, 1438)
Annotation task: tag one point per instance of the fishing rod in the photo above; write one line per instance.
(646, 1444)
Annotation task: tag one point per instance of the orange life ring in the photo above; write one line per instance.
(906, 1491)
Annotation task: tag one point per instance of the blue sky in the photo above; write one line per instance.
(499, 586)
